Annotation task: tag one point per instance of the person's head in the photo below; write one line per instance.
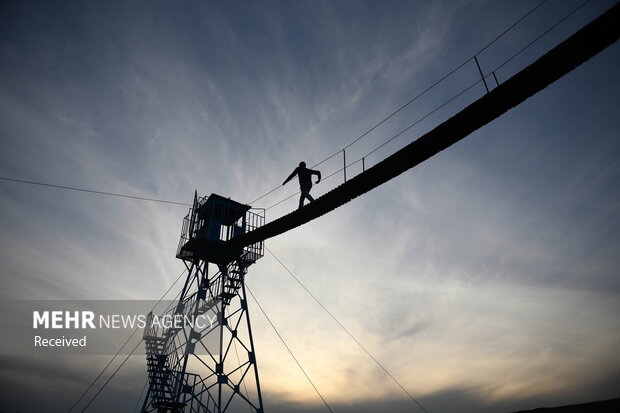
(302, 164)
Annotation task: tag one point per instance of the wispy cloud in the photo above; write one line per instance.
(487, 276)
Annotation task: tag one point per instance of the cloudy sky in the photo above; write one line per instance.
(484, 280)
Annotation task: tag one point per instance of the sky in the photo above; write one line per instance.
(485, 280)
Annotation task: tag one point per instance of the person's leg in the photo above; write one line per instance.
(305, 193)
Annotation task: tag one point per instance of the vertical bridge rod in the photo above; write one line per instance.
(481, 75)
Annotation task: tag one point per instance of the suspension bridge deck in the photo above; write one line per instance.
(562, 59)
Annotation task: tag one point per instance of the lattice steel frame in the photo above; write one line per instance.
(213, 369)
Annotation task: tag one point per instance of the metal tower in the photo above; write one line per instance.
(210, 365)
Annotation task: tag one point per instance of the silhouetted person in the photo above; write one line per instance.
(305, 181)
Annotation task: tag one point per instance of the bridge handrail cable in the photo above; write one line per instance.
(482, 79)
(419, 95)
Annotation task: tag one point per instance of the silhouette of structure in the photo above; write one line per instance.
(305, 181)
(604, 406)
(208, 368)
(228, 235)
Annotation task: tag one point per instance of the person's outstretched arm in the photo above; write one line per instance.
(291, 176)
(318, 173)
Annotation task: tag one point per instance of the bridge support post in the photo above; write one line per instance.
(481, 75)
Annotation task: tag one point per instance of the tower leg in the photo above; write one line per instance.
(244, 304)
(214, 369)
